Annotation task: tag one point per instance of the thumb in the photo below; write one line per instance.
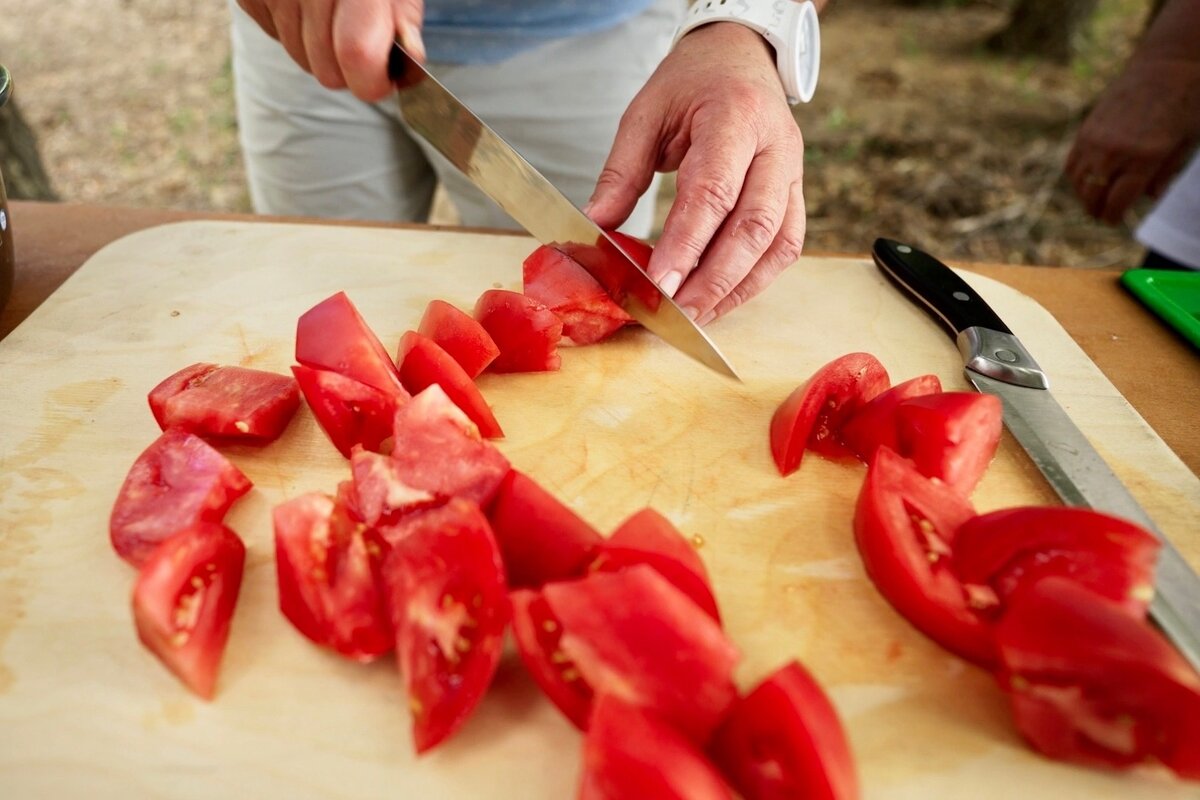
(628, 171)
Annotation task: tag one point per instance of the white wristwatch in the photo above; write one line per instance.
(790, 27)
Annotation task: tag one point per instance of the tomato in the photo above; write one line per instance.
(874, 425)
(951, 435)
(648, 537)
(351, 413)
(333, 336)
(812, 415)
(526, 332)
(184, 598)
(996, 554)
(784, 740)
(606, 263)
(460, 335)
(423, 363)
(542, 540)
(539, 638)
(560, 283)
(178, 481)
(904, 526)
(381, 494)
(629, 753)
(327, 566)
(1089, 683)
(449, 608)
(227, 402)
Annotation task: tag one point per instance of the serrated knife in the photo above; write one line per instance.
(998, 364)
(500, 172)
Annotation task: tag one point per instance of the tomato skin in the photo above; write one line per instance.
(784, 740)
(526, 332)
(560, 283)
(226, 402)
(631, 754)
(351, 413)
(539, 637)
(813, 414)
(184, 599)
(904, 526)
(176, 482)
(951, 435)
(874, 425)
(423, 364)
(606, 263)
(449, 608)
(460, 335)
(332, 335)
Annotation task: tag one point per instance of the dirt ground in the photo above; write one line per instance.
(914, 133)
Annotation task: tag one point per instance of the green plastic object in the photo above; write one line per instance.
(1172, 295)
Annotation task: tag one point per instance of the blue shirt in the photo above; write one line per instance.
(487, 31)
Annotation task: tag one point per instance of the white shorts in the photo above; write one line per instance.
(310, 151)
(1172, 228)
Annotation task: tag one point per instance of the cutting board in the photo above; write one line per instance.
(85, 711)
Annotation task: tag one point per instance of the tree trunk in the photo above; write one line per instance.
(1043, 28)
(25, 176)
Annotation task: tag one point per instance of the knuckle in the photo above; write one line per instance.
(788, 246)
(757, 228)
(352, 52)
(716, 194)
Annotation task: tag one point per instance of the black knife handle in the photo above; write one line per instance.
(397, 67)
(946, 295)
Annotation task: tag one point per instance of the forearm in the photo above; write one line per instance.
(1173, 34)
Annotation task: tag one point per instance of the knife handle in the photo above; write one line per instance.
(398, 70)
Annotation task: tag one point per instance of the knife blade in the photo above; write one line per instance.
(500, 172)
(998, 364)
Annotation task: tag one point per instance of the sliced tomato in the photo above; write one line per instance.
(996, 554)
(951, 435)
(560, 283)
(184, 598)
(526, 332)
(1090, 683)
(333, 336)
(812, 416)
(874, 425)
(539, 643)
(449, 608)
(904, 526)
(327, 564)
(351, 413)
(177, 482)
(629, 753)
(423, 364)
(381, 493)
(226, 402)
(460, 335)
(607, 264)
(648, 537)
(785, 740)
(542, 540)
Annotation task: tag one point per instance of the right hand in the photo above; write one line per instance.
(343, 43)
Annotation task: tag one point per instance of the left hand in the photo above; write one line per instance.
(714, 110)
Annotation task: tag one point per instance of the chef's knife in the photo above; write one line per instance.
(527, 196)
(997, 363)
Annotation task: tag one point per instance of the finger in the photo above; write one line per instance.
(318, 44)
(260, 14)
(363, 32)
(1167, 171)
(409, 15)
(290, 26)
(629, 169)
(1125, 189)
(1091, 190)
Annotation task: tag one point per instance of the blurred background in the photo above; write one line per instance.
(939, 121)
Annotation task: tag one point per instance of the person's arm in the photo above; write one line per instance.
(1143, 127)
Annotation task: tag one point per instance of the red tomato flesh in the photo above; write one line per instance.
(952, 435)
(874, 425)
(460, 335)
(423, 364)
(177, 482)
(333, 336)
(606, 262)
(381, 494)
(526, 332)
(560, 283)
(184, 598)
(226, 402)
(351, 413)
(539, 638)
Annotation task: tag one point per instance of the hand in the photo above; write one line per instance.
(715, 110)
(343, 43)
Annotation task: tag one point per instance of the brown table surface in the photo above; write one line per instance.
(1156, 370)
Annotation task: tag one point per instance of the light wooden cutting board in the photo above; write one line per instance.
(86, 712)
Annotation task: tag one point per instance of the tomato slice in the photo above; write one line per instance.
(449, 608)
(904, 526)
(333, 336)
(327, 565)
(785, 740)
(998, 553)
(178, 481)
(648, 537)
(526, 332)
(812, 415)
(951, 435)
(460, 335)
(539, 643)
(381, 494)
(351, 413)
(629, 753)
(423, 364)
(542, 540)
(560, 283)
(184, 598)
(226, 402)
(874, 425)
(1089, 683)
(606, 263)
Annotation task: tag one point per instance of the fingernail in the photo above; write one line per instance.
(410, 37)
(690, 312)
(670, 283)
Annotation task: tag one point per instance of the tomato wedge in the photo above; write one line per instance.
(629, 753)
(327, 565)
(606, 263)
(449, 608)
(423, 364)
(648, 537)
(874, 425)
(812, 415)
(381, 494)
(351, 413)
(177, 482)
(460, 335)
(998, 553)
(184, 598)
(1089, 683)
(333, 336)
(785, 740)
(526, 332)
(904, 526)
(560, 283)
(542, 540)
(226, 402)
(539, 643)
(951, 435)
